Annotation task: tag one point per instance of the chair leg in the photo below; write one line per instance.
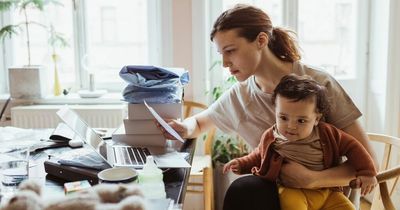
(208, 189)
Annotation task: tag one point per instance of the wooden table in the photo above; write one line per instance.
(175, 180)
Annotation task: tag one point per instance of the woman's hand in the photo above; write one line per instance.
(232, 165)
(295, 175)
(367, 184)
(178, 126)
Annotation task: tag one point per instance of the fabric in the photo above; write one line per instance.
(260, 194)
(321, 199)
(153, 84)
(247, 110)
(266, 162)
(307, 152)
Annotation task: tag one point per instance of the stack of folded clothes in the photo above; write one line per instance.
(162, 89)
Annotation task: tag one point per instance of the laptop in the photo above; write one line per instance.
(113, 154)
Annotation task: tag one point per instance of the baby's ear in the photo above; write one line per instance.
(319, 116)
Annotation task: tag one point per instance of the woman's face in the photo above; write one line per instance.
(238, 54)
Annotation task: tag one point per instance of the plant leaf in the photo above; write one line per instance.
(38, 4)
(7, 4)
(8, 31)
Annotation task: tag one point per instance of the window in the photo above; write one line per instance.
(117, 35)
(103, 36)
(329, 42)
(327, 30)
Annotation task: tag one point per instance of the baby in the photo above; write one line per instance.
(300, 136)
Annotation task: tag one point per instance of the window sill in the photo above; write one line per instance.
(72, 98)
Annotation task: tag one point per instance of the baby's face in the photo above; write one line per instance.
(295, 119)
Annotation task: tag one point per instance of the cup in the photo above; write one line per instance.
(118, 175)
(14, 167)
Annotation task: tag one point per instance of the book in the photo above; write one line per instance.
(62, 133)
(166, 111)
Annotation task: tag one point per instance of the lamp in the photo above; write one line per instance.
(92, 92)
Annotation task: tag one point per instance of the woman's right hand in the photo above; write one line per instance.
(178, 126)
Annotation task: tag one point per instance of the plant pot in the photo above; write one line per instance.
(222, 183)
(27, 82)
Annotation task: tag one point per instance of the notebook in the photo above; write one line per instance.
(113, 155)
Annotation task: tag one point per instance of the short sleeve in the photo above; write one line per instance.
(343, 111)
(224, 112)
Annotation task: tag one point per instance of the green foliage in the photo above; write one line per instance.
(227, 147)
(8, 31)
(56, 39)
(22, 5)
(7, 4)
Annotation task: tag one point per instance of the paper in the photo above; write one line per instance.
(164, 124)
(172, 160)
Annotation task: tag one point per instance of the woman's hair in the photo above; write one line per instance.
(250, 21)
(301, 88)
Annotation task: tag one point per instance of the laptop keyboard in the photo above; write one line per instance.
(135, 156)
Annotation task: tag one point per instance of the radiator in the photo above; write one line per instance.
(44, 116)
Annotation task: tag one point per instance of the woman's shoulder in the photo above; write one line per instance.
(317, 73)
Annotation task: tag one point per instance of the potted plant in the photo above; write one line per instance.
(25, 81)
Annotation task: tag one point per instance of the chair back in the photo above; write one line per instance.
(388, 177)
(189, 108)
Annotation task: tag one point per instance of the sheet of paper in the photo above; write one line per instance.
(164, 124)
(172, 160)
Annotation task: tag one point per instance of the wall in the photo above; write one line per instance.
(182, 39)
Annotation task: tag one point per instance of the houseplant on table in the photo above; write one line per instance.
(25, 81)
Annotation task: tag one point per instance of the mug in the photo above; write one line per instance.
(118, 175)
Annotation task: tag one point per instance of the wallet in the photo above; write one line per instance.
(70, 173)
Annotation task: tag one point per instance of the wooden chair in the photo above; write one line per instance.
(389, 173)
(202, 166)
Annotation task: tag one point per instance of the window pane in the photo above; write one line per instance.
(117, 36)
(60, 16)
(327, 34)
(272, 7)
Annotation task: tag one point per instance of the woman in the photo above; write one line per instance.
(259, 55)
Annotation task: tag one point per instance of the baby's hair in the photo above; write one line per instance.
(301, 88)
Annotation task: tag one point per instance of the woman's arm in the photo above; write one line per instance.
(298, 176)
(191, 127)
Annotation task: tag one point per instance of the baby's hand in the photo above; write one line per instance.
(367, 184)
(232, 165)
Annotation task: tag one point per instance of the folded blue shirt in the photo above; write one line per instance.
(153, 84)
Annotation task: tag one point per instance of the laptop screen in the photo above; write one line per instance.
(81, 128)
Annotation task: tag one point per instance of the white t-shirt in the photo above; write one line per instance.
(248, 111)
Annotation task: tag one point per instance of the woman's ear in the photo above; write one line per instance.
(262, 40)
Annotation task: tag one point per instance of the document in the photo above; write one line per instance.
(172, 160)
(164, 124)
